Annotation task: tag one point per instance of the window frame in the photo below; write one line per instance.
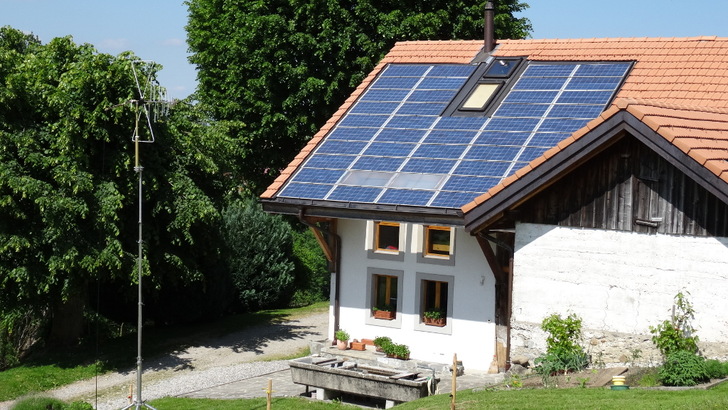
(371, 297)
(421, 294)
(423, 254)
(483, 75)
(373, 250)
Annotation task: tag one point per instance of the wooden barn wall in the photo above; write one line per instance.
(631, 188)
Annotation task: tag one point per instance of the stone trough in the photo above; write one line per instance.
(331, 376)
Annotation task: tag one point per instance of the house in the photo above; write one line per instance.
(496, 187)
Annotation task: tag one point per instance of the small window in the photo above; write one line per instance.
(437, 241)
(385, 297)
(386, 236)
(502, 67)
(480, 96)
(434, 304)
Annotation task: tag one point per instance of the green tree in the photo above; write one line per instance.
(68, 192)
(273, 71)
(259, 254)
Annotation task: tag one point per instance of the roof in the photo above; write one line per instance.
(678, 88)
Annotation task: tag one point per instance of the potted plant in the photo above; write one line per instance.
(384, 312)
(434, 317)
(397, 351)
(380, 342)
(342, 339)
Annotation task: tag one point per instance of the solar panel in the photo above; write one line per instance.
(394, 147)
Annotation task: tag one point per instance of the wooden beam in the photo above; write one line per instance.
(323, 244)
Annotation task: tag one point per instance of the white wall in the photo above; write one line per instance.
(618, 283)
(472, 329)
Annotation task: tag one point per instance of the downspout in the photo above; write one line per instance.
(335, 261)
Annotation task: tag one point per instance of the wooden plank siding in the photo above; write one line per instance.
(629, 187)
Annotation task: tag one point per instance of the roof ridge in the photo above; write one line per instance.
(623, 103)
(615, 39)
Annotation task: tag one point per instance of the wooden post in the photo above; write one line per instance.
(454, 380)
(131, 392)
(268, 393)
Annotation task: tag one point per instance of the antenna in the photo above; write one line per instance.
(151, 102)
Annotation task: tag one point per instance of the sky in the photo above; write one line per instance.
(155, 29)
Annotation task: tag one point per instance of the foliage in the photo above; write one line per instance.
(68, 190)
(341, 335)
(563, 352)
(715, 369)
(271, 72)
(384, 307)
(381, 341)
(683, 368)
(677, 333)
(433, 314)
(19, 330)
(48, 403)
(400, 351)
(312, 276)
(259, 246)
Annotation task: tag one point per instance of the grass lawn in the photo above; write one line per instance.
(576, 398)
(56, 369)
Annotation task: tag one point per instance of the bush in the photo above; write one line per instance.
(683, 368)
(381, 341)
(258, 246)
(715, 369)
(341, 335)
(48, 403)
(563, 352)
(676, 334)
(312, 276)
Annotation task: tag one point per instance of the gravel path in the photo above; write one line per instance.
(212, 362)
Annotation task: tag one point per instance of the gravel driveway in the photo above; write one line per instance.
(238, 356)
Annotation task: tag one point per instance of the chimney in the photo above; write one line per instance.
(489, 27)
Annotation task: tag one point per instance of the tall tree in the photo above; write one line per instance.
(68, 191)
(273, 71)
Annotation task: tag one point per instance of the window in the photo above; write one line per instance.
(486, 87)
(434, 296)
(434, 304)
(385, 297)
(437, 241)
(480, 96)
(386, 236)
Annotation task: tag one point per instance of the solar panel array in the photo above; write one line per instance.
(394, 147)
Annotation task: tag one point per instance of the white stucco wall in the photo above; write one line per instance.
(471, 328)
(619, 283)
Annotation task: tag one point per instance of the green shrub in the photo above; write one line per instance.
(259, 248)
(676, 334)
(683, 368)
(715, 369)
(48, 403)
(312, 276)
(381, 341)
(563, 352)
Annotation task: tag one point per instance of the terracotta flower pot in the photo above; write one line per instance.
(440, 322)
(384, 314)
(358, 346)
(342, 344)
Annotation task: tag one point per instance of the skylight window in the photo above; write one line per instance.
(480, 96)
(485, 88)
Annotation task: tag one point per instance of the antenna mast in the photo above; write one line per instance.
(143, 105)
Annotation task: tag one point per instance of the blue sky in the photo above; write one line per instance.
(154, 29)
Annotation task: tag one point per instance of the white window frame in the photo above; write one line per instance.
(374, 253)
(424, 257)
